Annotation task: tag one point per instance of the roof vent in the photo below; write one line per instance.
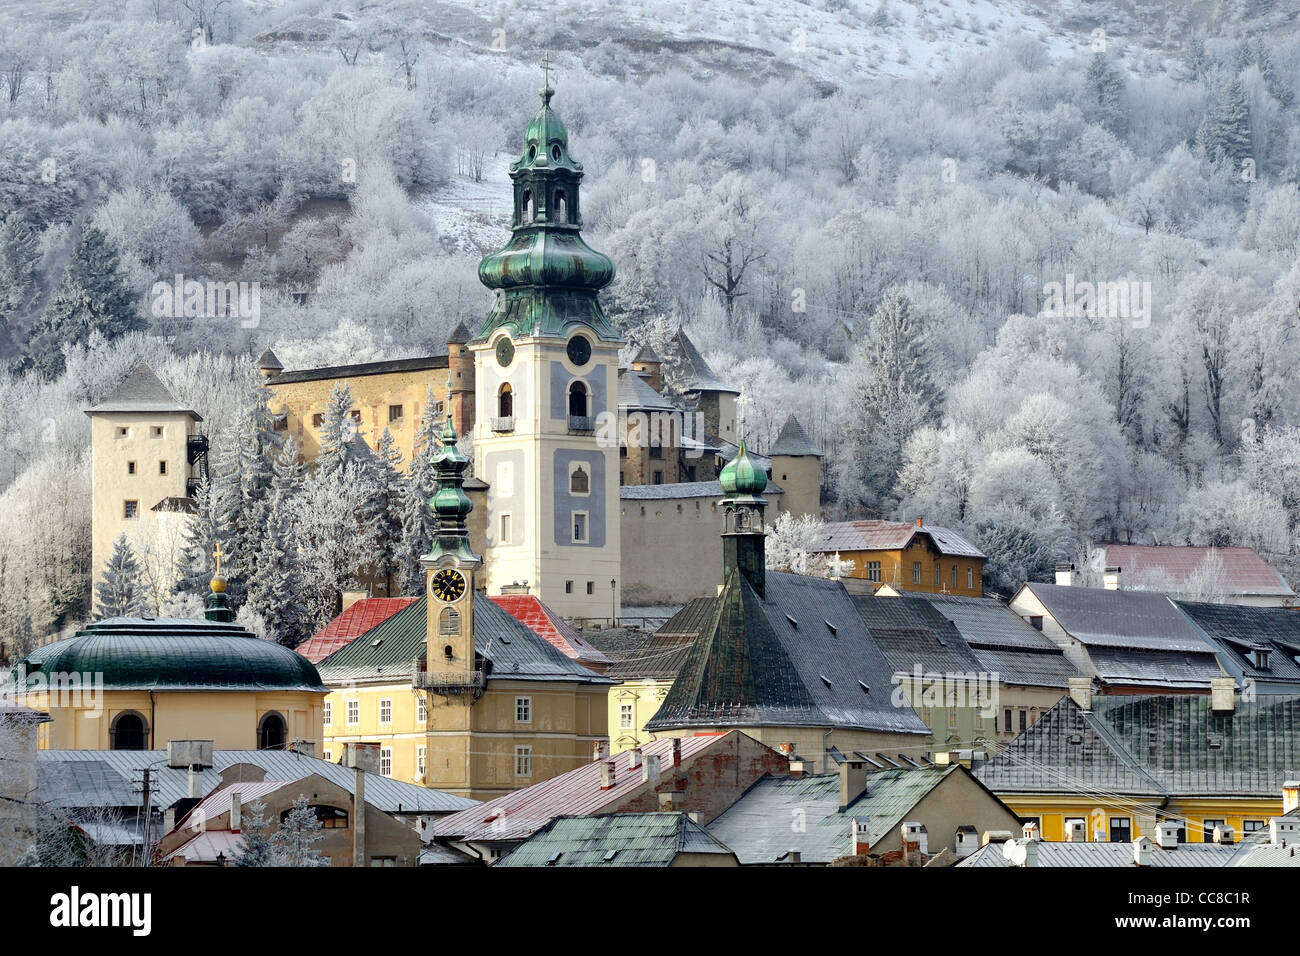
(554, 858)
(834, 629)
(376, 642)
(609, 855)
(793, 622)
(825, 680)
(1076, 739)
(1215, 741)
(865, 688)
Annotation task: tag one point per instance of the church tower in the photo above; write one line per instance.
(546, 369)
(743, 481)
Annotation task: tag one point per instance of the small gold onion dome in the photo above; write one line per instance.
(218, 585)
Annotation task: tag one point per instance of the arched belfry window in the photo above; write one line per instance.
(506, 401)
(559, 206)
(579, 482)
(271, 732)
(449, 622)
(526, 206)
(578, 400)
(128, 732)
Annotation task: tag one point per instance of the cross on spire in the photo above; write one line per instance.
(217, 553)
(546, 91)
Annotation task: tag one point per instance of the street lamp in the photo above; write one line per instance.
(613, 604)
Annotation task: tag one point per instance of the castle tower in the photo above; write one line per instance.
(797, 468)
(145, 460)
(460, 380)
(743, 481)
(546, 364)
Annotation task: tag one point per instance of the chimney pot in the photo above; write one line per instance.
(650, 770)
(1081, 692)
(677, 751)
(635, 758)
(235, 811)
(607, 775)
(1223, 695)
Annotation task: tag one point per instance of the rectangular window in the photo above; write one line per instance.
(937, 579)
(622, 451)
(970, 578)
(130, 510)
(383, 861)
(952, 717)
(385, 761)
(1209, 829)
(1024, 720)
(579, 527)
(658, 477)
(421, 710)
(979, 718)
(130, 468)
(625, 715)
(329, 712)
(591, 587)
(317, 420)
(1036, 622)
(157, 431)
(1121, 830)
(916, 572)
(1251, 826)
(954, 575)
(386, 710)
(354, 713)
(873, 570)
(656, 451)
(419, 760)
(394, 413)
(523, 710)
(523, 761)
(162, 467)
(329, 756)
(1006, 718)
(926, 717)
(568, 587)
(505, 529)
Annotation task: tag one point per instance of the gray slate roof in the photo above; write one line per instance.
(636, 393)
(616, 839)
(695, 372)
(793, 441)
(912, 633)
(799, 656)
(683, 489)
(141, 391)
(1126, 619)
(365, 368)
(92, 778)
(1237, 631)
(1154, 746)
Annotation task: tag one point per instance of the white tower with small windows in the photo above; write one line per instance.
(546, 366)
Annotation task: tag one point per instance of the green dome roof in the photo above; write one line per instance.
(743, 475)
(172, 654)
(546, 141)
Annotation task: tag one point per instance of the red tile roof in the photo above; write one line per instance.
(537, 617)
(1168, 568)
(361, 617)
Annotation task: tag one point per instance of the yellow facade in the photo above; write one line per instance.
(471, 751)
(916, 568)
(1051, 811)
(631, 704)
(230, 719)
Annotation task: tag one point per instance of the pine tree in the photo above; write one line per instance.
(417, 518)
(92, 296)
(1196, 60)
(202, 532)
(1105, 86)
(295, 841)
(245, 472)
(387, 508)
(120, 591)
(18, 257)
(275, 584)
(1228, 130)
(258, 848)
(337, 431)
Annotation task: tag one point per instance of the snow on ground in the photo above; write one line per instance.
(473, 218)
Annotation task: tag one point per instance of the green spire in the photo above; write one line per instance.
(449, 503)
(546, 274)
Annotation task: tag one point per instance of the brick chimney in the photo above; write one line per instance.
(607, 775)
(915, 839)
(600, 750)
(918, 522)
(677, 752)
(860, 837)
(634, 757)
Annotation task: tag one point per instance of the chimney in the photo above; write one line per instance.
(677, 752)
(194, 777)
(1167, 834)
(607, 775)
(667, 801)
(1110, 577)
(1081, 692)
(234, 811)
(1223, 834)
(169, 820)
(634, 757)
(918, 522)
(915, 835)
(362, 758)
(1223, 695)
(797, 769)
(1030, 831)
(1065, 575)
(600, 750)
(1283, 831)
(352, 597)
(794, 857)
(860, 835)
(853, 781)
(1074, 831)
(1290, 796)
(965, 842)
(1141, 852)
(650, 770)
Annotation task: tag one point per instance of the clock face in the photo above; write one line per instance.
(579, 350)
(447, 585)
(505, 352)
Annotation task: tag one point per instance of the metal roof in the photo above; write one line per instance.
(1154, 668)
(362, 616)
(1108, 855)
(655, 658)
(512, 651)
(116, 774)
(682, 489)
(636, 393)
(1167, 568)
(1123, 619)
(757, 826)
(694, 371)
(365, 368)
(842, 536)
(913, 634)
(799, 656)
(529, 610)
(206, 846)
(616, 839)
(1238, 630)
(1154, 746)
(792, 441)
(141, 391)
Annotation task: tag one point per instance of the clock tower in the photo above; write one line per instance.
(546, 369)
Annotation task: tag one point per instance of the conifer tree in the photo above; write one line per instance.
(338, 429)
(1228, 128)
(258, 848)
(275, 584)
(387, 508)
(417, 518)
(120, 592)
(202, 532)
(245, 473)
(18, 257)
(92, 296)
(295, 841)
(1105, 86)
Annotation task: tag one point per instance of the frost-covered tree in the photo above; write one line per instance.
(793, 543)
(418, 524)
(120, 591)
(1227, 129)
(387, 509)
(276, 588)
(19, 256)
(295, 841)
(258, 847)
(339, 428)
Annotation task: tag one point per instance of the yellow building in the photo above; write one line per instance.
(136, 683)
(1112, 767)
(910, 557)
(459, 694)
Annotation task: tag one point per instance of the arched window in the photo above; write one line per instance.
(506, 401)
(579, 482)
(128, 732)
(559, 206)
(449, 622)
(526, 206)
(447, 652)
(271, 732)
(578, 400)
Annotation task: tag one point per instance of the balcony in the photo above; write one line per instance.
(447, 682)
(196, 448)
(581, 425)
(503, 424)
